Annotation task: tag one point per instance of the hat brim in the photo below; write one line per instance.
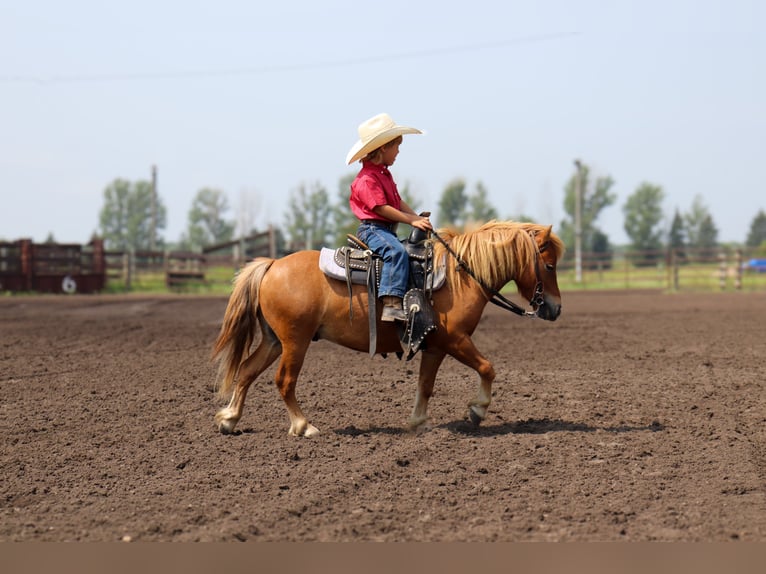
(361, 149)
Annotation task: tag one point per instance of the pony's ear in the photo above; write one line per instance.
(544, 238)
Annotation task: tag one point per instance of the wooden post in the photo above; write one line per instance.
(272, 243)
(153, 221)
(127, 261)
(722, 271)
(578, 222)
(738, 271)
(27, 263)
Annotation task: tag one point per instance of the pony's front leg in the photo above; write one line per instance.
(429, 365)
(467, 354)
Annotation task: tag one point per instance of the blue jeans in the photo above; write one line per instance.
(396, 263)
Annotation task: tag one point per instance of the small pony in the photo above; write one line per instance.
(293, 303)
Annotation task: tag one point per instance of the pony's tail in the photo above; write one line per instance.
(239, 322)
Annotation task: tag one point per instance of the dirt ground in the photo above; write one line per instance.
(636, 416)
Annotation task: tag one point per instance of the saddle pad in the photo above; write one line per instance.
(330, 268)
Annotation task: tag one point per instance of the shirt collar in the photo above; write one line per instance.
(376, 167)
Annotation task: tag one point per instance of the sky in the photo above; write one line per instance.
(259, 98)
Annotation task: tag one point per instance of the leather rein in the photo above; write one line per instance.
(497, 298)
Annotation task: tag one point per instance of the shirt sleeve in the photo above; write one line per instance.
(369, 192)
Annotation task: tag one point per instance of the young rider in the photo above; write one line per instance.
(376, 202)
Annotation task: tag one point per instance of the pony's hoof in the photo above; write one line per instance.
(226, 427)
(475, 416)
(308, 431)
(225, 424)
(417, 424)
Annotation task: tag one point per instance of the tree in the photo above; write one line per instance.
(601, 250)
(207, 225)
(521, 217)
(481, 210)
(452, 205)
(247, 211)
(126, 217)
(708, 236)
(410, 199)
(757, 234)
(699, 224)
(643, 217)
(343, 218)
(308, 217)
(594, 198)
(677, 236)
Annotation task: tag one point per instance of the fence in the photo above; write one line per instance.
(52, 267)
(673, 270)
(56, 268)
(180, 270)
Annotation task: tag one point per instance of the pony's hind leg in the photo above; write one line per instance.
(263, 356)
(286, 379)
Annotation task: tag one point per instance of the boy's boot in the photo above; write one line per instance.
(392, 309)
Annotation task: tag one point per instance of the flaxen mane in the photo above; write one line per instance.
(478, 249)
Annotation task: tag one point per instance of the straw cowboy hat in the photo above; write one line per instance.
(375, 132)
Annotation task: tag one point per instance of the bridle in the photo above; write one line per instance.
(497, 298)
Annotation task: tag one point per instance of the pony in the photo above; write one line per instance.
(292, 303)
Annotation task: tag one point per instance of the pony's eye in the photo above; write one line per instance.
(550, 267)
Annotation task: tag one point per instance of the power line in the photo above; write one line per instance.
(258, 70)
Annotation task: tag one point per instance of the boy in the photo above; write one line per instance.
(376, 202)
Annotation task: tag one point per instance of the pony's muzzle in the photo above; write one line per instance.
(549, 311)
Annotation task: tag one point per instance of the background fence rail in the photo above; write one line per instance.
(25, 266)
(673, 270)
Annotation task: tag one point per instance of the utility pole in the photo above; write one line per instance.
(153, 226)
(578, 222)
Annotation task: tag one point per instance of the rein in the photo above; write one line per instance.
(497, 297)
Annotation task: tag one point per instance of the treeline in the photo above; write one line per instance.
(133, 216)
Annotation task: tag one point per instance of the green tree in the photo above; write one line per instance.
(126, 216)
(757, 233)
(601, 250)
(344, 220)
(481, 209)
(521, 217)
(643, 218)
(699, 226)
(308, 217)
(595, 198)
(452, 205)
(677, 236)
(207, 225)
(707, 239)
(410, 199)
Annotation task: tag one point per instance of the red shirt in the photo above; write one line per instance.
(374, 185)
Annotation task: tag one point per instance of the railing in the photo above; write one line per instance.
(672, 270)
(211, 270)
(51, 267)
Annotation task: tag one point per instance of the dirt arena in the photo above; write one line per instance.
(637, 416)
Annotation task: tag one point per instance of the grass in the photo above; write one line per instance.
(701, 277)
(217, 282)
